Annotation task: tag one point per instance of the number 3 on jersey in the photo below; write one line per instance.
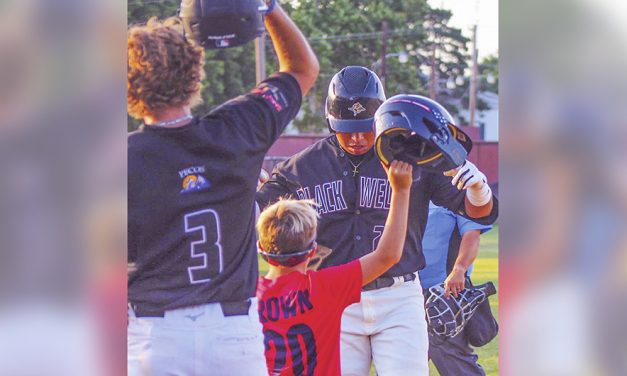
(203, 227)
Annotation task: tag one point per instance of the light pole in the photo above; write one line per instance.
(473, 78)
(260, 58)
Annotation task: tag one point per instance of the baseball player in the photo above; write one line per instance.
(191, 188)
(299, 305)
(450, 236)
(345, 177)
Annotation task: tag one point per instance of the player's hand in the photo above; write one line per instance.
(454, 283)
(467, 176)
(399, 175)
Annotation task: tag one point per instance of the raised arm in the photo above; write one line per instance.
(295, 55)
(390, 247)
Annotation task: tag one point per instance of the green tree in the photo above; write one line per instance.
(341, 32)
(349, 32)
(445, 49)
(489, 66)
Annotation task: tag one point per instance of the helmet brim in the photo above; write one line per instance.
(351, 125)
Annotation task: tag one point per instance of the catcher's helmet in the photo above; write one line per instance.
(220, 24)
(419, 131)
(354, 95)
(447, 317)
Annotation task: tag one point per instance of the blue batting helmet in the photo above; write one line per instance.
(354, 95)
(418, 130)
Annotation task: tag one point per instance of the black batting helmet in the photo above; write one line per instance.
(221, 24)
(354, 95)
(418, 130)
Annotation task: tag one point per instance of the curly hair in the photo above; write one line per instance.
(164, 69)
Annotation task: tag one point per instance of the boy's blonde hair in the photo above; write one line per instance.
(287, 226)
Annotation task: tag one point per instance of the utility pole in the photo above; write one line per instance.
(260, 58)
(472, 103)
(434, 73)
(384, 40)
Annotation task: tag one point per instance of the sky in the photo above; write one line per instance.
(484, 12)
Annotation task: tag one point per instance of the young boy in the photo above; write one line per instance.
(301, 309)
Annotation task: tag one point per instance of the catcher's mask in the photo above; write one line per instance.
(216, 24)
(287, 258)
(419, 131)
(447, 317)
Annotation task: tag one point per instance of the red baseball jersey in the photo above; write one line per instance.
(301, 316)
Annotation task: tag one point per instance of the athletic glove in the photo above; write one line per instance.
(469, 177)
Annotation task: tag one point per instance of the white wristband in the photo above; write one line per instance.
(479, 196)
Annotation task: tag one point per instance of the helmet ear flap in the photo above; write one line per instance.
(326, 116)
(331, 130)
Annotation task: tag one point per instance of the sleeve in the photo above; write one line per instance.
(342, 283)
(465, 225)
(281, 184)
(265, 111)
(444, 194)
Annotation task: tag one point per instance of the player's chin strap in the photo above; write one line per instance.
(287, 259)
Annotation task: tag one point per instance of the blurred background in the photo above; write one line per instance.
(555, 87)
(563, 169)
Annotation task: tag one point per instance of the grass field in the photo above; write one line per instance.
(486, 269)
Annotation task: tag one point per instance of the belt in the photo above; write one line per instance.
(382, 282)
(237, 308)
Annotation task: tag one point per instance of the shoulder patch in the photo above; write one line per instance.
(272, 95)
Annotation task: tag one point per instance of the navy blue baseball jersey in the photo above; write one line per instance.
(191, 197)
(353, 207)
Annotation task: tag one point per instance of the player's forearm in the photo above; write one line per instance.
(294, 53)
(468, 251)
(478, 211)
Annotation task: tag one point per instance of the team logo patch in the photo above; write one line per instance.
(223, 43)
(193, 179)
(357, 108)
(272, 95)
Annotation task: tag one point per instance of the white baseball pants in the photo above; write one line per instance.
(196, 341)
(388, 327)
